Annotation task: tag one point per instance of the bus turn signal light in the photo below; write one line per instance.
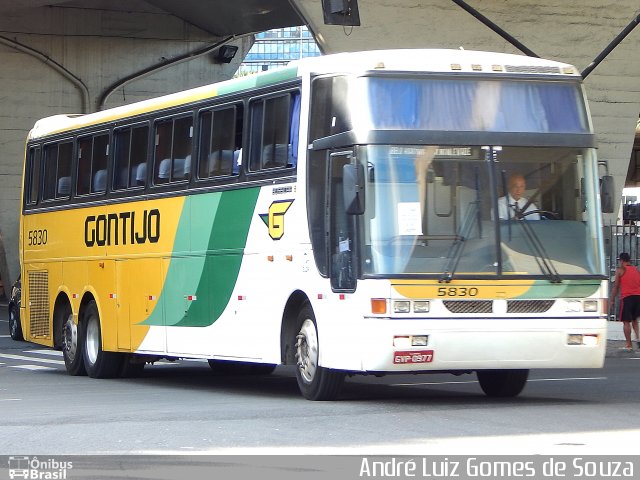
(379, 305)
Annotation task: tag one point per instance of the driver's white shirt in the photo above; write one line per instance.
(505, 213)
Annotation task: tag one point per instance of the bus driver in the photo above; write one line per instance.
(514, 205)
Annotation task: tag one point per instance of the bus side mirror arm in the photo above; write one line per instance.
(353, 183)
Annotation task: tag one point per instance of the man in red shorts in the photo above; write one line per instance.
(627, 282)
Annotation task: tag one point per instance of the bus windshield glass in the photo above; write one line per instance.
(451, 211)
(497, 105)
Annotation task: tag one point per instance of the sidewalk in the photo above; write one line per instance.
(615, 342)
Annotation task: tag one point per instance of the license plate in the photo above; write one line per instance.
(420, 356)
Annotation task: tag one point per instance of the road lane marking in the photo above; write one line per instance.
(30, 359)
(475, 381)
(5, 336)
(55, 353)
(10, 399)
(32, 367)
(565, 379)
(431, 383)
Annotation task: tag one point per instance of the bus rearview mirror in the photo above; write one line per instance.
(607, 191)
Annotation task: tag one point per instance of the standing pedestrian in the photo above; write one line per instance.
(627, 282)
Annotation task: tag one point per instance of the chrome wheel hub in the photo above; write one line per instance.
(13, 322)
(93, 339)
(307, 350)
(70, 338)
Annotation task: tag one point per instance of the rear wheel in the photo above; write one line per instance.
(502, 383)
(315, 382)
(72, 343)
(98, 363)
(15, 329)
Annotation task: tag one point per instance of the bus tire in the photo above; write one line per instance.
(502, 383)
(230, 367)
(72, 342)
(15, 328)
(315, 382)
(98, 363)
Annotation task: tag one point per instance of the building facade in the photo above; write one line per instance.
(278, 47)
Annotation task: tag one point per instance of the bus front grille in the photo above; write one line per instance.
(486, 306)
(528, 306)
(469, 306)
(39, 304)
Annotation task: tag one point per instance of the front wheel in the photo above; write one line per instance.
(502, 383)
(99, 364)
(15, 329)
(315, 382)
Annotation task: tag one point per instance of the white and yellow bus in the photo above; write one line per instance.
(337, 215)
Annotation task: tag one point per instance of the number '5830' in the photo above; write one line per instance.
(37, 237)
(457, 291)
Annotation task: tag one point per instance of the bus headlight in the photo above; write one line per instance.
(573, 306)
(574, 339)
(590, 305)
(419, 340)
(402, 341)
(401, 306)
(588, 339)
(421, 306)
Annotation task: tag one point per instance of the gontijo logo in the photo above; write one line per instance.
(274, 218)
(122, 228)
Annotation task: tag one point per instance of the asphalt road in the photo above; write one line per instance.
(183, 407)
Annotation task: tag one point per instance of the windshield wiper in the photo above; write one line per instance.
(457, 247)
(540, 254)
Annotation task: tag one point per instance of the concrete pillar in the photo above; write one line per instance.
(92, 49)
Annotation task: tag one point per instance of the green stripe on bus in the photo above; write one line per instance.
(262, 80)
(207, 272)
(568, 289)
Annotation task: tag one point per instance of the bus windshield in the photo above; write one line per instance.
(451, 211)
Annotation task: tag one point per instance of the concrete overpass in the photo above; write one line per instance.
(572, 31)
(77, 56)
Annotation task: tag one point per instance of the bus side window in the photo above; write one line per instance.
(274, 127)
(182, 146)
(93, 153)
(130, 154)
(83, 177)
(65, 152)
(162, 160)
(57, 170)
(173, 142)
(99, 160)
(218, 140)
(33, 178)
